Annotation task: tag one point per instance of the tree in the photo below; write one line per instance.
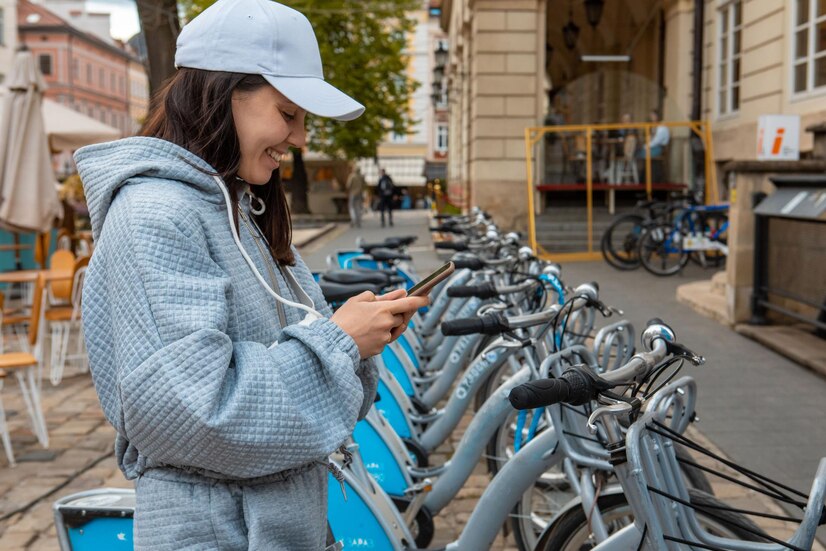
(362, 47)
(160, 26)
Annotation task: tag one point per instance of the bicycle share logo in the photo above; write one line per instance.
(473, 374)
(459, 350)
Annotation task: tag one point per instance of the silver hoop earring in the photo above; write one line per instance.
(262, 207)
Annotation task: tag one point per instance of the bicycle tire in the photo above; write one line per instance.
(628, 258)
(525, 535)
(653, 246)
(566, 533)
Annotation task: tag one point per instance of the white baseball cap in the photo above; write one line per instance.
(262, 37)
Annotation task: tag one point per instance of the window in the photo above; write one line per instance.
(122, 85)
(45, 62)
(441, 138)
(112, 81)
(101, 78)
(398, 138)
(2, 27)
(809, 45)
(75, 69)
(89, 73)
(730, 48)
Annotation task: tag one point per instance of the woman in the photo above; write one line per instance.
(209, 342)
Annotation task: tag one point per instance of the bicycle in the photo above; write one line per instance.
(664, 248)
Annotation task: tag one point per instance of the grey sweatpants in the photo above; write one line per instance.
(178, 511)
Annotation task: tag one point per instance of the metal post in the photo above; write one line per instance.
(589, 175)
(761, 264)
(531, 211)
(647, 161)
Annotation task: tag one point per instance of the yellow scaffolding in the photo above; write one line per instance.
(533, 135)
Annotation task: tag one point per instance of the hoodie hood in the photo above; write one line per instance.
(105, 168)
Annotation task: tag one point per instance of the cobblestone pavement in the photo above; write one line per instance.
(80, 453)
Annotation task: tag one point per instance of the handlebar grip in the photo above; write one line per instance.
(484, 291)
(451, 245)
(572, 387)
(447, 229)
(489, 324)
(537, 394)
(655, 321)
(469, 263)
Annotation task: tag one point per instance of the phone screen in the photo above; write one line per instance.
(426, 285)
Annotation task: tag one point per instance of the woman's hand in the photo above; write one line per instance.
(374, 322)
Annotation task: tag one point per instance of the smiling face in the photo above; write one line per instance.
(267, 124)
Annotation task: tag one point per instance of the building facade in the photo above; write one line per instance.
(511, 68)
(138, 95)
(409, 158)
(83, 71)
(8, 37)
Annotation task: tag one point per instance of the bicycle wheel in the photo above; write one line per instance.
(552, 492)
(619, 244)
(661, 251)
(572, 533)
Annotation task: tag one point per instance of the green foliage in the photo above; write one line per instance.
(362, 45)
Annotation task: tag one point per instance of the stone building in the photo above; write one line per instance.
(82, 70)
(8, 36)
(510, 67)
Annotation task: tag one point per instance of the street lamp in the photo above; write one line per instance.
(440, 55)
(570, 32)
(438, 73)
(593, 11)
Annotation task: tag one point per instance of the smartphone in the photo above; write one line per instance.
(427, 284)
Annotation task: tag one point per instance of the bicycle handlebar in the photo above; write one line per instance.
(451, 245)
(493, 324)
(577, 384)
(488, 290)
(471, 263)
(489, 324)
(484, 291)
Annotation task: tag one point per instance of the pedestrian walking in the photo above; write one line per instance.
(355, 196)
(387, 194)
(215, 357)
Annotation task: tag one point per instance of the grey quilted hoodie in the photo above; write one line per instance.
(180, 337)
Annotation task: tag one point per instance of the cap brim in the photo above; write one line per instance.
(318, 97)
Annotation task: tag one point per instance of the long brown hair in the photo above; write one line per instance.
(194, 110)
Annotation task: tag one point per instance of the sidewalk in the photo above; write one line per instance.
(774, 429)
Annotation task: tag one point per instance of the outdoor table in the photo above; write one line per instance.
(27, 279)
(30, 276)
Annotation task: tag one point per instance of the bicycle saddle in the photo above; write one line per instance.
(350, 277)
(388, 255)
(336, 292)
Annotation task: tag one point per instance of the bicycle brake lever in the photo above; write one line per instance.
(678, 349)
(613, 409)
(617, 311)
(493, 306)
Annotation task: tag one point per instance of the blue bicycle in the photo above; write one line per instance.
(699, 232)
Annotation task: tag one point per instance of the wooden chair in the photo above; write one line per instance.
(62, 320)
(4, 428)
(64, 240)
(25, 366)
(627, 165)
(60, 292)
(41, 248)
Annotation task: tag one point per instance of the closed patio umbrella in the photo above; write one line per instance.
(68, 130)
(28, 193)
